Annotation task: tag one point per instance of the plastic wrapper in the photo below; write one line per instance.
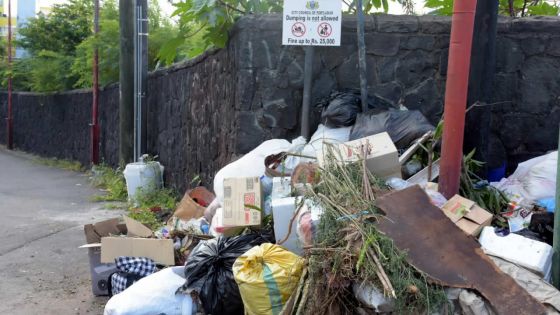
(209, 272)
(533, 179)
(154, 294)
(267, 275)
(307, 221)
(342, 107)
(403, 126)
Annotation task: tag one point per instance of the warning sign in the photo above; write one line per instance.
(312, 23)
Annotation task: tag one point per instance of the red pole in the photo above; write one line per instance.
(10, 125)
(95, 105)
(462, 24)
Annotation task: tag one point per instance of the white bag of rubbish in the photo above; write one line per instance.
(154, 294)
(307, 152)
(533, 179)
(250, 165)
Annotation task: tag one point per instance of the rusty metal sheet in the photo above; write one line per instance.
(446, 254)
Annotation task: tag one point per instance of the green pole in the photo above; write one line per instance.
(556, 237)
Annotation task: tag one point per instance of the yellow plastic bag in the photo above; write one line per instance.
(267, 275)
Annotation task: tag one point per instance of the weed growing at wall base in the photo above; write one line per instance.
(111, 181)
(62, 164)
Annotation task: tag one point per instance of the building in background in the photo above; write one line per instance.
(26, 9)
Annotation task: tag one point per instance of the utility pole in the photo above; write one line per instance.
(95, 105)
(456, 86)
(483, 64)
(556, 229)
(126, 79)
(10, 124)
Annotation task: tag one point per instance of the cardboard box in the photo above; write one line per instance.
(238, 193)
(467, 215)
(161, 251)
(109, 236)
(100, 273)
(382, 157)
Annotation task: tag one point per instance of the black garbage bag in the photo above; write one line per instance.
(209, 272)
(341, 107)
(403, 126)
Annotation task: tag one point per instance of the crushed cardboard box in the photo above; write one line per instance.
(109, 235)
(161, 251)
(382, 157)
(467, 215)
(242, 197)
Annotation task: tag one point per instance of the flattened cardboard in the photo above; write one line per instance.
(467, 215)
(239, 192)
(161, 251)
(136, 229)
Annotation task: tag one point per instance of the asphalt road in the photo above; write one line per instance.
(42, 213)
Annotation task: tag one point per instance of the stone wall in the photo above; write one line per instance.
(406, 64)
(191, 120)
(204, 112)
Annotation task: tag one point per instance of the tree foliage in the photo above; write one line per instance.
(61, 46)
(61, 31)
(513, 8)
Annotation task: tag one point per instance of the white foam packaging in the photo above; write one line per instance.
(530, 254)
(283, 210)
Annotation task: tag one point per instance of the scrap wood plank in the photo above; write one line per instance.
(448, 256)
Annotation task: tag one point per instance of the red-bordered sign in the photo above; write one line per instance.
(298, 29)
(324, 29)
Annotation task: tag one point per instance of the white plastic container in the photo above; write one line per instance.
(533, 255)
(147, 176)
(282, 211)
(281, 187)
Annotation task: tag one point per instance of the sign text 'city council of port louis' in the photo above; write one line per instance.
(312, 23)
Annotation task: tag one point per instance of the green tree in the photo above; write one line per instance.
(514, 8)
(61, 31)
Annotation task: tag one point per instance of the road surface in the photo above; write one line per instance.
(43, 210)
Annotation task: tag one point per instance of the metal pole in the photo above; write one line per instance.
(95, 105)
(460, 45)
(307, 83)
(556, 235)
(10, 125)
(136, 148)
(362, 56)
(140, 77)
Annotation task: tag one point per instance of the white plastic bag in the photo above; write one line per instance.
(154, 294)
(250, 165)
(328, 135)
(533, 179)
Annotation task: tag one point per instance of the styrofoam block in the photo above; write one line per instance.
(282, 211)
(533, 255)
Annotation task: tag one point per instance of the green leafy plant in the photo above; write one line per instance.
(163, 198)
(473, 188)
(146, 217)
(513, 8)
(110, 180)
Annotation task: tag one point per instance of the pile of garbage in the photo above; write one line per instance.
(349, 222)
